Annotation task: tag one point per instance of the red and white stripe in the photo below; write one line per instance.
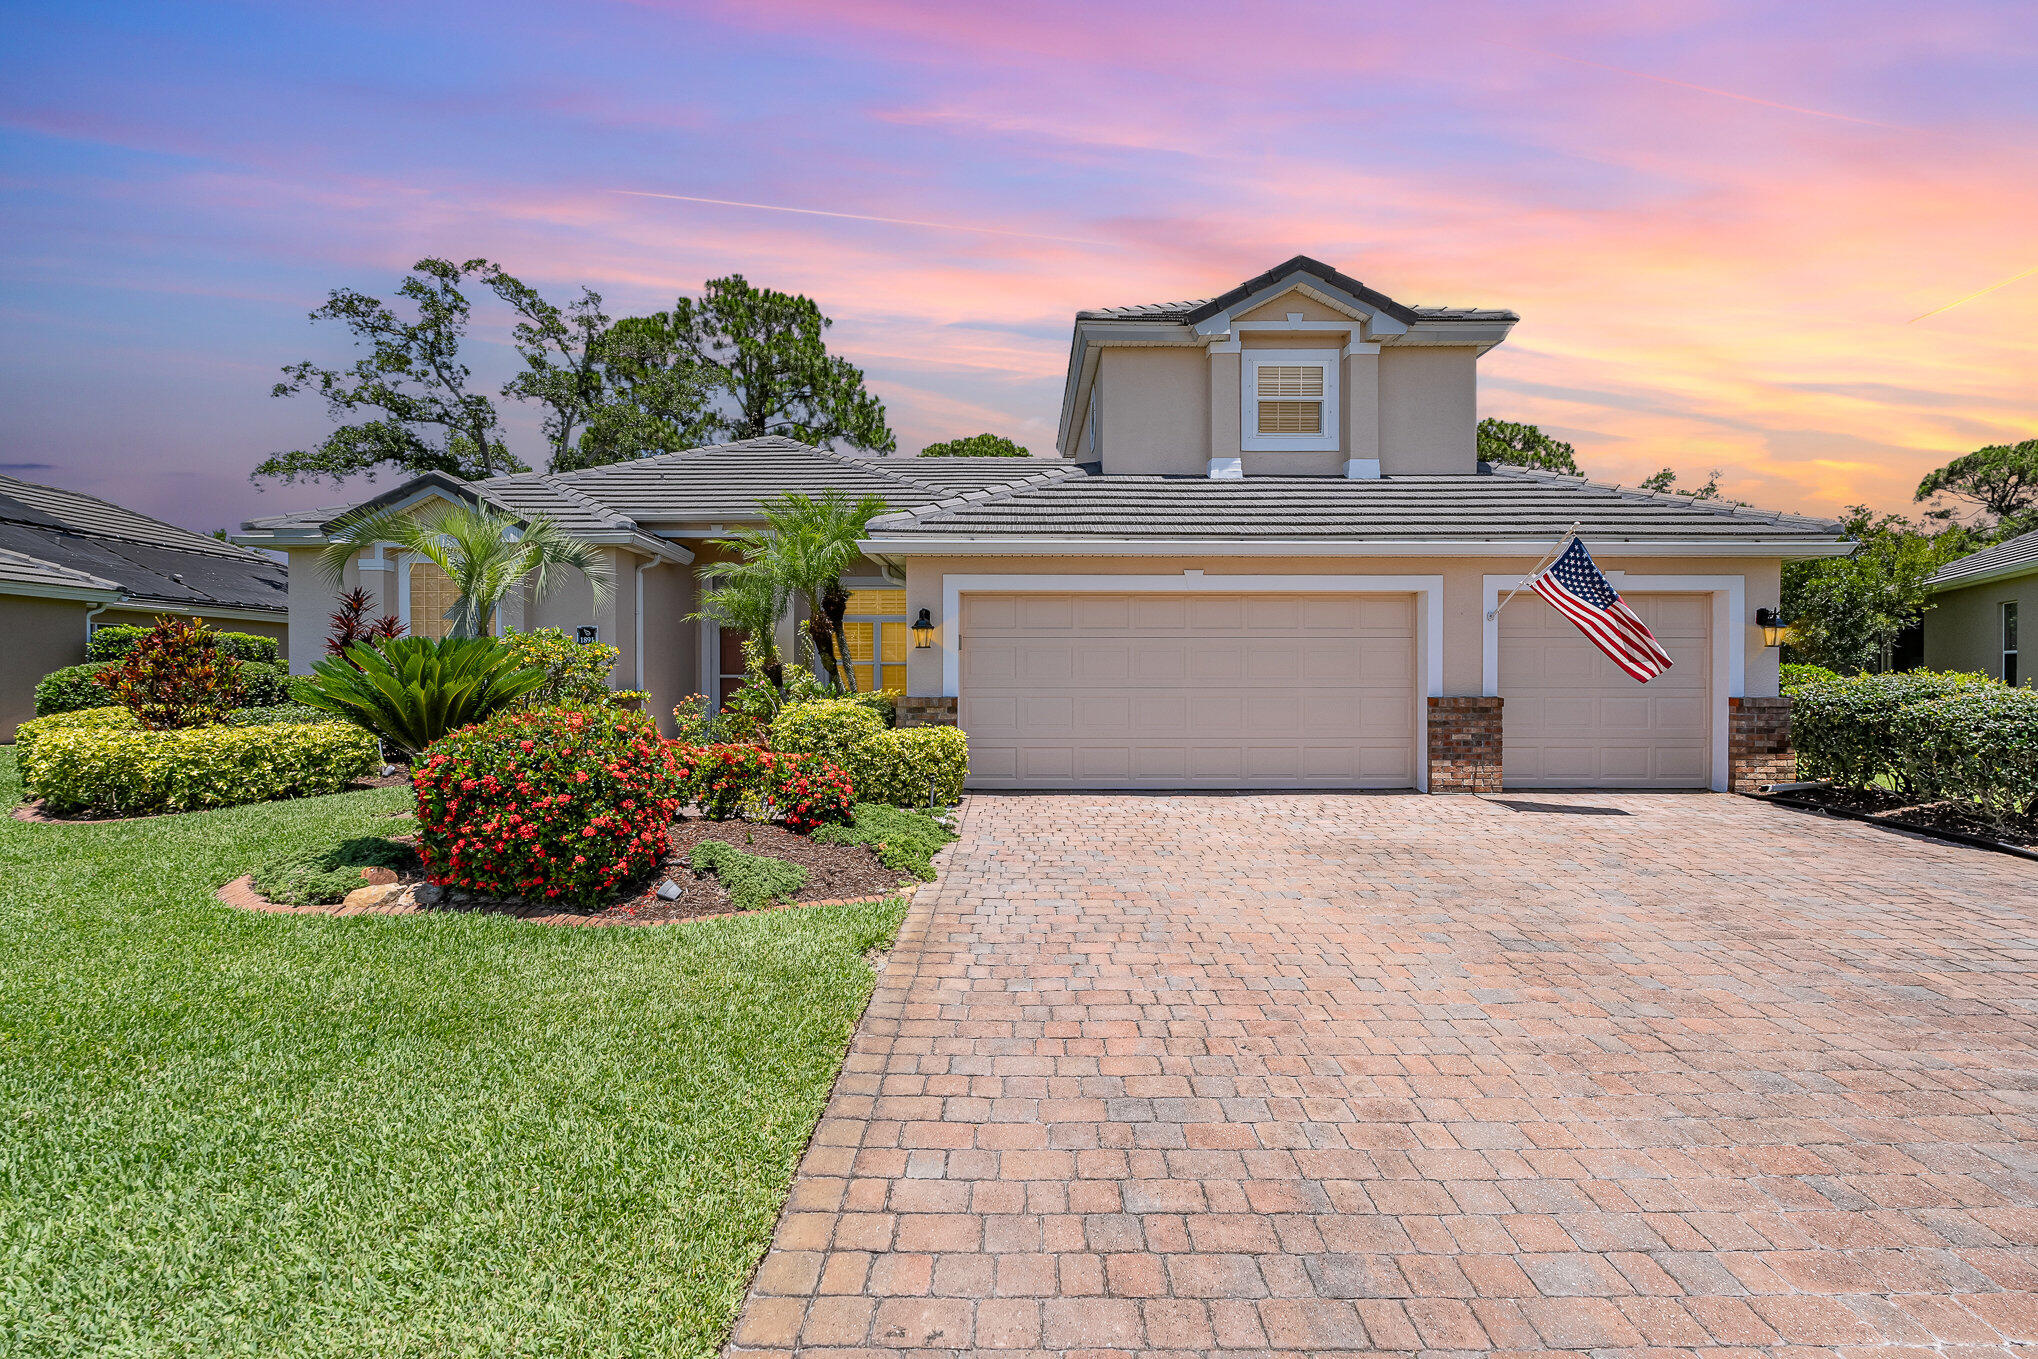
(1625, 639)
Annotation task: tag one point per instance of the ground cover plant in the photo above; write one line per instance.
(753, 881)
(905, 840)
(322, 876)
(225, 1133)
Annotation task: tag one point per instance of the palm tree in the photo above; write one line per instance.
(485, 552)
(807, 543)
(748, 596)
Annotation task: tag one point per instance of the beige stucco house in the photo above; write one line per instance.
(1268, 556)
(1976, 601)
(71, 562)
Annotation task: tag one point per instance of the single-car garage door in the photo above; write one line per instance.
(1189, 690)
(1574, 719)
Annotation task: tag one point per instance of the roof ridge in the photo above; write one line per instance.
(850, 459)
(980, 494)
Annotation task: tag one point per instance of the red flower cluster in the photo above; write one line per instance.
(558, 803)
(804, 791)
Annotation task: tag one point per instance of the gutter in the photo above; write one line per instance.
(2011, 572)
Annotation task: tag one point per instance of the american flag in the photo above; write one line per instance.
(1573, 584)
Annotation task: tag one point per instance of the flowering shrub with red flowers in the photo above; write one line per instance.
(804, 791)
(554, 803)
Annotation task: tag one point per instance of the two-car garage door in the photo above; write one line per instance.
(1189, 690)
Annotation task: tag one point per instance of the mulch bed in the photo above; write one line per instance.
(835, 873)
(1895, 809)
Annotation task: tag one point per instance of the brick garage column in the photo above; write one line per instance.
(1758, 743)
(1464, 745)
(927, 712)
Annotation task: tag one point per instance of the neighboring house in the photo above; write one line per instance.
(1976, 600)
(1265, 559)
(70, 562)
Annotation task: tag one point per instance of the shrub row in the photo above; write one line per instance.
(906, 768)
(101, 760)
(805, 790)
(113, 643)
(77, 687)
(1933, 736)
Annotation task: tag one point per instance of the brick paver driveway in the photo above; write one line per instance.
(1297, 1074)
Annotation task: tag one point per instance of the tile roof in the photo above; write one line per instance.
(968, 473)
(2011, 557)
(1497, 504)
(19, 569)
(81, 535)
(1197, 309)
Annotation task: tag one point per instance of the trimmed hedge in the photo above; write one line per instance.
(751, 880)
(114, 767)
(275, 713)
(1844, 729)
(106, 717)
(73, 689)
(1795, 677)
(828, 727)
(113, 643)
(911, 767)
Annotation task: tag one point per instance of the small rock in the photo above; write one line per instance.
(368, 898)
(668, 890)
(378, 875)
(428, 894)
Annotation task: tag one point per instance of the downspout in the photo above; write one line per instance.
(638, 633)
(96, 610)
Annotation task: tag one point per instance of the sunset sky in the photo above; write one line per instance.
(1723, 224)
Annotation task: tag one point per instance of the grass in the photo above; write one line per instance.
(751, 880)
(904, 840)
(225, 1133)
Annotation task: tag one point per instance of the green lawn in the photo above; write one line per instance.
(224, 1133)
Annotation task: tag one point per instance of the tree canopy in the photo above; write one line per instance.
(975, 446)
(1520, 445)
(411, 386)
(2000, 482)
(1847, 612)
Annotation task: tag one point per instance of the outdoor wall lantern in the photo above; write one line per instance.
(1771, 623)
(923, 629)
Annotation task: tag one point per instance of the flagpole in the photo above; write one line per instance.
(1535, 570)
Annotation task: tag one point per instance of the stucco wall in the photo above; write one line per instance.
(42, 635)
(1964, 630)
(1429, 419)
(1463, 597)
(1154, 410)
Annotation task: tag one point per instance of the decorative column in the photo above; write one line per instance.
(1758, 743)
(1464, 744)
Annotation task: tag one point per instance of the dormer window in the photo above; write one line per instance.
(1289, 401)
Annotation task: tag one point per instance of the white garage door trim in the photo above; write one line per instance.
(1429, 616)
(1729, 641)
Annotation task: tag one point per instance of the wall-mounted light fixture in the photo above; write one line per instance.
(923, 629)
(1772, 625)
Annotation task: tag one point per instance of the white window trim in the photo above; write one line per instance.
(1429, 618)
(1729, 644)
(1250, 440)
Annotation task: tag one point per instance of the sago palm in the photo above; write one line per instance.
(485, 552)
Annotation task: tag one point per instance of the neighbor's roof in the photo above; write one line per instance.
(23, 574)
(700, 485)
(154, 562)
(1496, 504)
(1201, 308)
(2012, 557)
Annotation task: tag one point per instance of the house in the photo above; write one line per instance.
(1975, 602)
(1268, 556)
(70, 562)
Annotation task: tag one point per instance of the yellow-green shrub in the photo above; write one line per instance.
(828, 727)
(107, 767)
(905, 766)
(30, 732)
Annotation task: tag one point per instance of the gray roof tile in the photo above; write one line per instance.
(1497, 504)
(2011, 557)
(18, 569)
(1196, 309)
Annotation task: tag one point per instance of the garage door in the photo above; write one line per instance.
(1189, 690)
(1573, 719)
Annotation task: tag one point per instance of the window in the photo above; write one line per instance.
(1289, 402)
(875, 628)
(2009, 608)
(432, 595)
